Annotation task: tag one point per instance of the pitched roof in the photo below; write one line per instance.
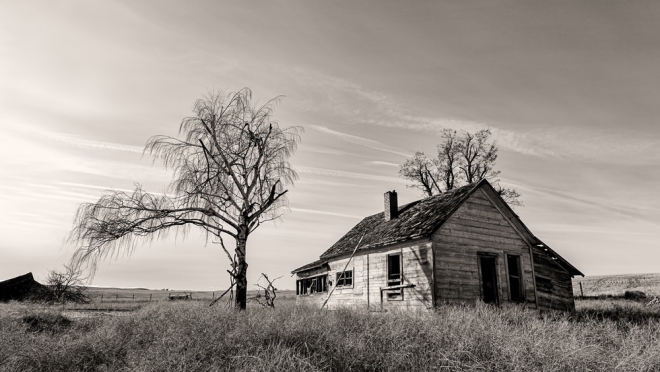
(419, 219)
(415, 220)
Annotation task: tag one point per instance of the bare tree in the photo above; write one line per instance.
(231, 171)
(270, 292)
(461, 159)
(67, 285)
(424, 172)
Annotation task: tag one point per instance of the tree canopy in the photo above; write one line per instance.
(461, 159)
(231, 170)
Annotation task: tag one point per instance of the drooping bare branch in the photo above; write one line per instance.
(231, 171)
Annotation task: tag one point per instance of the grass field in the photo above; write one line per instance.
(190, 336)
(616, 285)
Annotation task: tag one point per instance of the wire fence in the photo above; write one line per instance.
(151, 297)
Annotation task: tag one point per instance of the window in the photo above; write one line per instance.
(345, 279)
(515, 278)
(312, 285)
(394, 276)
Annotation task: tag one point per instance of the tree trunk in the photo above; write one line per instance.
(241, 270)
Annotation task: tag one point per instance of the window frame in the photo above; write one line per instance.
(342, 273)
(394, 294)
(521, 286)
(304, 285)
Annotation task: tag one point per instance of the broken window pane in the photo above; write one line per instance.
(345, 278)
(515, 280)
(394, 275)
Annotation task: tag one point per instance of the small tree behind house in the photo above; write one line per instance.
(462, 158)
(231, 171)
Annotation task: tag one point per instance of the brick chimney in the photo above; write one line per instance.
(391, 205)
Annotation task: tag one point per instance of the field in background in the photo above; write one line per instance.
(110, 300)
(142, 294)
(616, 285)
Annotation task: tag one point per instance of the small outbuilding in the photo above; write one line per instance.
(20, 288)
(463, 246)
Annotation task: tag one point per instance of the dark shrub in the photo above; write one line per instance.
(634, 295)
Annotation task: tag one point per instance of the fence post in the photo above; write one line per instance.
(133, 297)
(213, 295)
(581, 291)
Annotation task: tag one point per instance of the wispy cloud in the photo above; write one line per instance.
(634, 213)
(95, 187)
(115, 169)
(79, 142)
(578, 229)
(336, 173)
(384, 163)
(321, 150)
(363, 106)
(330, 183)
(303, 210)
(363, 141)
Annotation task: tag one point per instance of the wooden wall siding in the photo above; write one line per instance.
(562, 289)
(417, 259)
(369, 275)
(477, 226)
(348, 296)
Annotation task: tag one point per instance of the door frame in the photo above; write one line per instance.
(495, 258)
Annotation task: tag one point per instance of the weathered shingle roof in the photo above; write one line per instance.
(415, 220)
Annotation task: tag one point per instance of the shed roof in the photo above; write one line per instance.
(310, 266)
(19, 288)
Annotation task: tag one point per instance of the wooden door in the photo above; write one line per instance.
(489, 280)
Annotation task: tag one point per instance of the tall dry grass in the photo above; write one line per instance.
(192, 337)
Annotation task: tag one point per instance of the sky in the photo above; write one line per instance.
(569, 89)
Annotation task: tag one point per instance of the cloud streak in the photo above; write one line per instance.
(86, 186)
(363, 141)
(303, 210)
(384, 163)
(336, 173)
(614, 209)
(370, 107)
(76, 141)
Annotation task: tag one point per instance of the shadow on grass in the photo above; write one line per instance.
(46, 322)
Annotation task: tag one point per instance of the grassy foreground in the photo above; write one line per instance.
(601, 336)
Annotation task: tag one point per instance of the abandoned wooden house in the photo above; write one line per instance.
(459, 247)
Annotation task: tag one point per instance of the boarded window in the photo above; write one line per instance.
(544, 285)
(312, 285)
(345, 278)
(394, 276)
(515, 278)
